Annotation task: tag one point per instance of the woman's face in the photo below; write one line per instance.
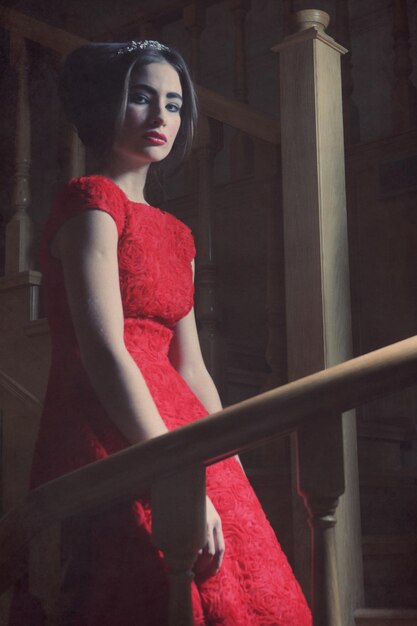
(152, 119)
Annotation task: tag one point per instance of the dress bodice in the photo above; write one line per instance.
(155, 251)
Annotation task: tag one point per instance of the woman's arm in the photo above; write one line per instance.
(185, 355)
(87, 248)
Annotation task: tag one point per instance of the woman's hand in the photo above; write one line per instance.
(210, 557)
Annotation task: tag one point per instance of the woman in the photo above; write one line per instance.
(126, 363)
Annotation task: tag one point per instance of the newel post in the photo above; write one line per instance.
(179, 530)
(318, 306)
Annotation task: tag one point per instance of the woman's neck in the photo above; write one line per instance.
(131, 181)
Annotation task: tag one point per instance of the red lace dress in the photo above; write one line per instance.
(126, 584)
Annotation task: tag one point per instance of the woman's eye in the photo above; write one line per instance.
(138, 98)
(173, 107)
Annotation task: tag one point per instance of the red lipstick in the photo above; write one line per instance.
(156, 138)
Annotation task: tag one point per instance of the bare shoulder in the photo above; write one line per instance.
(88, 232)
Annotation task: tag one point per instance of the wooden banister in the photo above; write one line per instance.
(128, 473)
(239, 115)
(19, 392)
(166, 14)
(39, 32)
(220, 108)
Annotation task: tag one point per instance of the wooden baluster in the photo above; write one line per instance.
(325, 593)
(241, 156)
(404, 93)
(194, 18)
(209, 141)
(2, 243)
(240, 9)
(19, 228)
(321, 483)
(2, 468)
(269, 163)
(351, 121)
(317, 303)
(45, 574)
(179, 530)
(270, 460)
(287, 12)
(274, 455)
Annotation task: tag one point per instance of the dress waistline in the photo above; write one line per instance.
(148, 336)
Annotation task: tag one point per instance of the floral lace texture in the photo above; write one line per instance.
(127, 579)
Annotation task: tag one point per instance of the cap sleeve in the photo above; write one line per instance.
(86, 193)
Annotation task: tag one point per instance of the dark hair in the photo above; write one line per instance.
(94, 85)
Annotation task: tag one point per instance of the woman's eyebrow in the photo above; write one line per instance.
(152, 91)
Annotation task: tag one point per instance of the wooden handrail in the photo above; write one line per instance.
(225, 110)
(17, 391)
(163, 15)
(128, 473)
(239, 115)
(44, 34)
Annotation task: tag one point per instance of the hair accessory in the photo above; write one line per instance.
(142, 45)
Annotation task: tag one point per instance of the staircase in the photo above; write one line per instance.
(388, 490)
(386, 617)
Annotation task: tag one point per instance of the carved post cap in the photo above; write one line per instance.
(309, 18)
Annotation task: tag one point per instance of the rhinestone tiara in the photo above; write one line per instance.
(142, 45)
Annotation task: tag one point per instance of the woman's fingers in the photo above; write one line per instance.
(211, 541)
(220, 546)
(209, 561)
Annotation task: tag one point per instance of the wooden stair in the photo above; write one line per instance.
(388, 490)
(385, 617)
(390, 570)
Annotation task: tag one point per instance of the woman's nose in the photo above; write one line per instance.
(158, 115)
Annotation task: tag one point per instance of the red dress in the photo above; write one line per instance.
(126, 584)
